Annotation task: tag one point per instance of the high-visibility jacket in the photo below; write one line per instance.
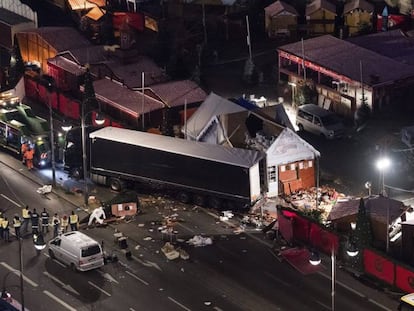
(5, 224)
(16, 223)
(25, 213)
(24, 148)
(73, 219)
(1, 220)
(35, 220)
(64, 222)
(45, 218)
(29, 154)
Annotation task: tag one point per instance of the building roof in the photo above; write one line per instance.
(85, 4)
(67, 65)
(278, 7)
(237, 157)
(394, 44)
(376, 207)
(11, 18)
(316, 5)
(95, 13)
(334, 54)
(358, 4)
(131, 74)
(213, 106)
(289, 147)
(60, 38)
(125, 99)
(175, 93)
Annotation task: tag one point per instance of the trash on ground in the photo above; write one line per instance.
(199, 240)
(169, 251)
(45, 189)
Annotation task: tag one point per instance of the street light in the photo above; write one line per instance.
(49, 88)
(99, 121)
(39, 244)
(382, 165)
(316, 260)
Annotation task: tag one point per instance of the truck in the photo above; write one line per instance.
(201, 173)
(18, 125)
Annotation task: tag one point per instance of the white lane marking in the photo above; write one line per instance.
(275, 278)
(17, 272)
(323, 305)
(65, 286)
(58, 300)
(138, 278)
(185, 227)
(10, 200)
(55, 260)
(217, 309)
(342, 284)
(147, 263)
(108, 277)
(178, 304)
(379, 305)
(97, 287)
(131, 309)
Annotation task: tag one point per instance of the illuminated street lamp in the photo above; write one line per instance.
(382, 165)
(315, 260)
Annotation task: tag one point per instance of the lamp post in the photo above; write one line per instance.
(316, 260)
(52, 138)
(382, 165)
(39, 244)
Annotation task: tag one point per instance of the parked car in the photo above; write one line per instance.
(319, 121)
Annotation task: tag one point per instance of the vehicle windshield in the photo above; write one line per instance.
(91, 250)
(330, 120)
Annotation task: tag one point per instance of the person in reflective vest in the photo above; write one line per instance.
(64, 223)
(35, 221)
(45, 221)
(73, 220)
(6, 234)
(23, 150)
(17, 224)
(26, 218)
(29, 157)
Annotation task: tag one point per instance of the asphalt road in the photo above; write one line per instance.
(236, 272)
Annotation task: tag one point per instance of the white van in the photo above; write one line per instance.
(77, 250)
(319, 121)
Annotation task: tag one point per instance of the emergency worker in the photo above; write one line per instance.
(56, 224)
(29, 154)
(45, 221)
(64, 223)
(35, 221)
(17, 224)
(73, 220)
(26, 218)
(23, 150)
(6, 233)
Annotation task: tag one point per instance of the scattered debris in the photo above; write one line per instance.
(141, 225)
(198, 241)
(148, 238)
(169, 251)
(45, 189)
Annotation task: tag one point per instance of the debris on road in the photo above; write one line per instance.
(169, 251)
(199, 240)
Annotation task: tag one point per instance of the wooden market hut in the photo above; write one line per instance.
(320, 16)
(281, 19)
(358, 15)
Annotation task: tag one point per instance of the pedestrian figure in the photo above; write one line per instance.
(26, 218)
(1, 227)
(45, 221)
(73, 220)
(64, 223)
(97, 215)
(56, 225)
(29, 157)
(23, 150)
(35, 221)
(6, 233)
(17, 224)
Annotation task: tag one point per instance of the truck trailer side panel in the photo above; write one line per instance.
(222, 171)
